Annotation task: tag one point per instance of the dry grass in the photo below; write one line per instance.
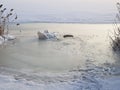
(6, 17)
(115, 39)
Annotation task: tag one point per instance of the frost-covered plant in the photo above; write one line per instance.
(116, 37)
(6, 16)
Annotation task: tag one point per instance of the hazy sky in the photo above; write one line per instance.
(62, 5)
(38, 7)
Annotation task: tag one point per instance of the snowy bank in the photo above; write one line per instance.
(92, 78)
(1, 40)
(6, 37)
(9, 83)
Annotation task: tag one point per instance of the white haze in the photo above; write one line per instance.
(64, 10)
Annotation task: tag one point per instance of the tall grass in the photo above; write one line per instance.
(115, 39)
(6, 16)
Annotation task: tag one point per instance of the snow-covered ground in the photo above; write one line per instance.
(96, 78)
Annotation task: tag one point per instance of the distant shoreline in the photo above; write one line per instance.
(68, 22)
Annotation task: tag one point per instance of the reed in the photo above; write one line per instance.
(6, 17)
(115, 39)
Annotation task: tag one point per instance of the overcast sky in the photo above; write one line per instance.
(37, 7)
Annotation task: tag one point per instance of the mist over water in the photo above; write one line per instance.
(90, 42)
(83, 62)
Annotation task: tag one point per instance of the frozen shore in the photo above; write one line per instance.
(9, 83)
(6, 37)
(91, 78)
(1, 40)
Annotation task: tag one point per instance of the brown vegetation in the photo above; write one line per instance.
(6, 16)
(116, 38)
